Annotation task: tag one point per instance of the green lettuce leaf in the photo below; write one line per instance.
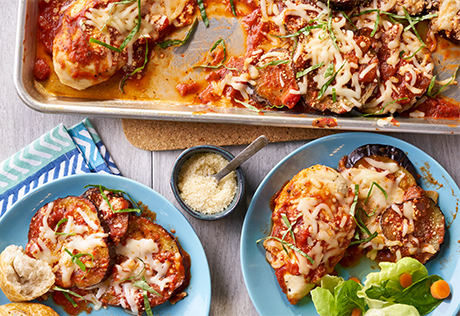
(324, 302)
(336, 297)
(384, 285)
(394, 310)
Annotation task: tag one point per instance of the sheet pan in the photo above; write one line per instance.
(167, 108)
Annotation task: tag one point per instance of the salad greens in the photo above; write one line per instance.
(337, 297)
(382, 293)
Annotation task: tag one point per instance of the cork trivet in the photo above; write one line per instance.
(167, 135)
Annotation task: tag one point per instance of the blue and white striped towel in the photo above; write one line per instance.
(57, 154)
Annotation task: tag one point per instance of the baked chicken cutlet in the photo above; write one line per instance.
(311, 228)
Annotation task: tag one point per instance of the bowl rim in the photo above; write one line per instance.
(185, 155)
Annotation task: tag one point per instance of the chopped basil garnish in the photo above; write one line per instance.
(142, 284)
(177, 42)
(433, 81)
(146, 58)
(217, 43)
(309, 69)
(76, 258)
(305, 30)
(137, 275)
(283, 242)
(67, 296)
(370, 190)
(133, 32)
(203, 12)
(274, 63)
(247, 105)
(62, 221)
(329, 70)
(355, 201)
(360, 241)
(331, 31)
(113, 7)
(103, 188)
(383, 108)
(148, 308)
(232, 6)
(328, 83)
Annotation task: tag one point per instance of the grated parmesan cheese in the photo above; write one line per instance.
(200, 191)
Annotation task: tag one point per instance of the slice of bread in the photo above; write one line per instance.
(26, 309)
(23, 278)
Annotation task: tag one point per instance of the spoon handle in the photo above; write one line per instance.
(248, 152)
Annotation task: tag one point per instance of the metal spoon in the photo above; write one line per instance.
(247, 153)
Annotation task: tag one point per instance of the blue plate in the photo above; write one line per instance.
(260, 280)
(14, 226)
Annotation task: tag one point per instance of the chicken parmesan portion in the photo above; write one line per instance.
(150, 267)
(311, 228)
(98, 38)
(69, 235)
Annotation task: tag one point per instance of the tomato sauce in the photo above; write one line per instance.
(439, 108)
(60, 299)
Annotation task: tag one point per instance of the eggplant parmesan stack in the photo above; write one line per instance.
(312, 227)
(150, 266)
(399, 219)
(68, 229)
(100, 252)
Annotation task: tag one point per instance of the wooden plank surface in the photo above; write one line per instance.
(20, 125)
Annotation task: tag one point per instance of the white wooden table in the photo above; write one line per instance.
(20, 125)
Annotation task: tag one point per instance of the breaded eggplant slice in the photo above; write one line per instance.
(275, 85)
(381, 175)
(406, 71)
(413, 7)
(341, 81)
(345, 4)
(311, 229)
(117, 222)
(68, 234)
(447, 23)
(147, 252)
(416, 229)
(380, 152)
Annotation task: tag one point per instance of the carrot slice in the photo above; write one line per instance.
(355, 279)
(440, 289)
(356, 312)
(405, 280)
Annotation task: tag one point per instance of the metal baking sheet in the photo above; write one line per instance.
(167, 107)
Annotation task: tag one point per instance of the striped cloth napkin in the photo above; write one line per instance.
(57, 154)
